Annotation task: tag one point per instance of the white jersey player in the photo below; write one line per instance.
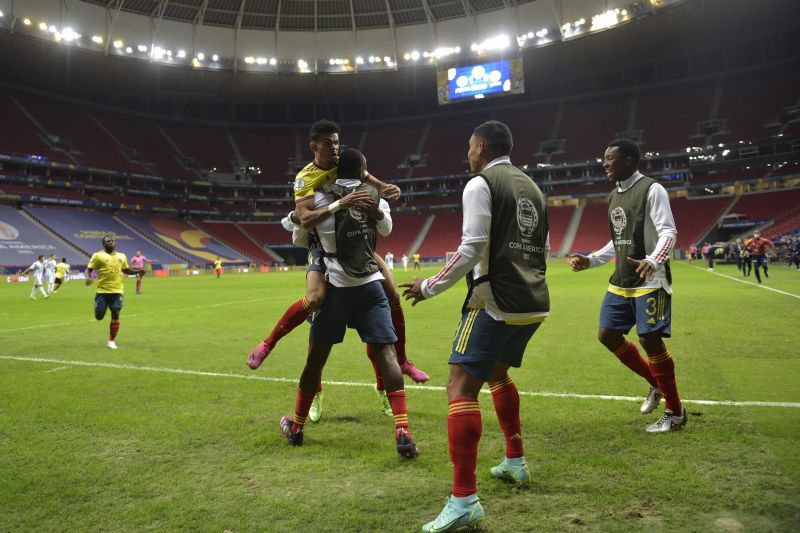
(405, 262)
(38, 272)
(50, 273)
(389, 261)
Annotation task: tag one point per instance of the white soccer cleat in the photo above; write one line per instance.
(315, 412)
(651, 402)
(112, 345)
(669, 422)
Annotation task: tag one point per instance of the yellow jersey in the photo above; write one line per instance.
(109, 269)
(416, 258)
(217, 264)
(61, 270)
(312, 178)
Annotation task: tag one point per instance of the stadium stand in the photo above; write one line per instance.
(389, 144)
(669, 114)
(85, 230)
(590, 124)
(229, 234)
(267, 234)
(23, 240)
(180, 238)
(405, 229)
(529, 124)
(207, 145)
(446, 145)
(558, 217)
(91, 146)
(444, 236)
(771, 205)
(593, 229)
(268, 149)
(695, 216)
(19, 135)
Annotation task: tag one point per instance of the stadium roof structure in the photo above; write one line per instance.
(309, 15)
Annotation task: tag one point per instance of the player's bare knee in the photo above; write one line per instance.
(609, 338)
(652, 343)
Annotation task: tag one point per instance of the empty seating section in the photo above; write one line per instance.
(91, 146)
(181, 238)
(767, 205)
(446, 145)
(208, 145)
(593, 231)
(24, 240)
(728, 176)
(693, 216)
(11, 188)
(142, 135)
(558, 218)
(748, 108)
(444, 236)
(266, 233)
(669, 115)
(19, 136)
(85, 229)
(785, 225)
(129, 200)
(269, 150)
(405, 230)
(529, 126)
(388, 144)
(589, 125)
(230, 234)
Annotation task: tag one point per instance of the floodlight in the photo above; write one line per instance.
(182, 54)
(70, 35)
(142, 48)
(359, 60)
(201, 56)
(43, 26)
(414, 55)
(261, 60)
(273, 61)
(249, 60)
(387, 59)
(129, 50)
(118, 44)
(26, 21)
(215, 57)
(97, 39)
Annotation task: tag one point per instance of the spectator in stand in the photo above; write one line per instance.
(692, 252)
(708, 255)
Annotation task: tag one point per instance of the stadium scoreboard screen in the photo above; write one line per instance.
(482, 80)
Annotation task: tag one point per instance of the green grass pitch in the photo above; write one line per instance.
(95, 439)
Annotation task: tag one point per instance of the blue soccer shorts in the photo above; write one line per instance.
(649, 312)
(364, 308)
(481, 342)
(105, 301)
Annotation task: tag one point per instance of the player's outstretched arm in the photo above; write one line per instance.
(578, 262)
(310, 217)
(387, 191)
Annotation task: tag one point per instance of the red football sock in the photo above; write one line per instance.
(663, 368)
(463, 433)
(399, 323)
(375, 368)
(113, 328)
(302, 404)
(397, 400)
(629, 355)
(293, 317)
(506, 405)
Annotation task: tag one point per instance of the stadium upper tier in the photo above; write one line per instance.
(666, 118)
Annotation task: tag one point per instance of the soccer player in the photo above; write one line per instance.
(389, 261)
(62, 272)
(640, 293)
(758, 254)
(324, 144)
(218, 266)
(109, 265)
(37, 267)
(503, 254)
(747, 264)
(137, 262)
(405, 262)
(355, 296)
(416, 257)
(708, 254)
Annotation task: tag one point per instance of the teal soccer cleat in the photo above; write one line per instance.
(456, 516)
(515, 474)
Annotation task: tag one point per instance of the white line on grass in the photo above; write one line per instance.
(120, 366)
(193, 308)
(745, 281)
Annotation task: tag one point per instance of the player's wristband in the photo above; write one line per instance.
(334, 207)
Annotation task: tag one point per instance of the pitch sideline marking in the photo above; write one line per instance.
(746, 282)
(37, 326)
(570, 395)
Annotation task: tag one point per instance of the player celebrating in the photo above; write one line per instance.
(218, 266)
(758, 254)
(62, 272)
(109, 265)
(324, 143)
(137, 262)
(37, 267)
(643, 233)
(503, 253)
(355, 297)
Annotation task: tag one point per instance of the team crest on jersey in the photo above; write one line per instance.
(299, 183)
(527, 217)
(357, 215)
(8, 232)
(618, 220)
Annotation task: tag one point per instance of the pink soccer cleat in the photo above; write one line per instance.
(414, 373)
(257, 356)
